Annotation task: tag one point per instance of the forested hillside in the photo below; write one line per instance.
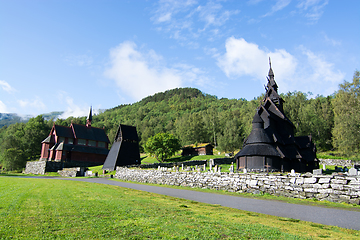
(196, 117)
(6, 119)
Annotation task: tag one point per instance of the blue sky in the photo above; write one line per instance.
(65, 55)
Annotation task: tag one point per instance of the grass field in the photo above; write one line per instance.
(57, 209)
(146, 159)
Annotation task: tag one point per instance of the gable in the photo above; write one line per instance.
(62, 131)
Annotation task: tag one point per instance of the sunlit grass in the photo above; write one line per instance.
(48, 209)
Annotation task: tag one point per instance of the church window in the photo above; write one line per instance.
(81, 141)
(92, 143)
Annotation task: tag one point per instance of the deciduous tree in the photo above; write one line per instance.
(162, 146)
(346, 132)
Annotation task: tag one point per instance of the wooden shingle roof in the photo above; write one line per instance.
(90, 133)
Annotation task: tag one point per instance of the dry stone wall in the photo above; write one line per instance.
(72, 172)
(334, 188)
(337, 162)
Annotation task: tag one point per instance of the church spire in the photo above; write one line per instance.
(270, 78)
(271, 73)
(271, 90)
(89, 118)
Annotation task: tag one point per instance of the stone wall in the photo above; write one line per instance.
(217, 161)
(72, 172)
(334, 188)
(337, 162)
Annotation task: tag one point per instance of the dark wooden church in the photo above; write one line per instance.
(125, 149)
(271, 145)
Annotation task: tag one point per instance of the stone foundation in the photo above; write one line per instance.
(41, 167)
(72, 172)
(37, 167)
(334, 188)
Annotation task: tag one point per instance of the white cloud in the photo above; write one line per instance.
(310, 74)
(313, 8)
(321, 74)
(333, 42)
(3, 108)
(72, 109)
(36, 103)
(212, 52)
(279, 5)
(140, 74)
(181, 19)
(212, 14)
(6, 87)
(165, 17)
(192, 75)
(247, 59)
(166, 9)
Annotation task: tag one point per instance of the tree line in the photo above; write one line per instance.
(194, 117)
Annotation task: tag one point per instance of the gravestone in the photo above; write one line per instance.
(231, 169)
(317, 171)
(211, 162)
(353, 172)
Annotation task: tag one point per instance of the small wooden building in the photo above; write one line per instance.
(77, 143)
(199, 149)
(125, 149)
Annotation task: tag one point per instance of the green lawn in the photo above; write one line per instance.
(50, 209)
(146, 159)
